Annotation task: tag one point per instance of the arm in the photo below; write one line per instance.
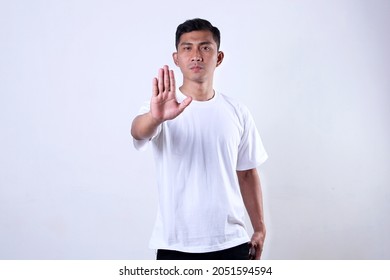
(253, 200)
(163, 106)
(144, 126)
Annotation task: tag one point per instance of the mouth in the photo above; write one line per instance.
(196, 68)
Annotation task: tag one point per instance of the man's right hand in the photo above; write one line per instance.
(163, 105)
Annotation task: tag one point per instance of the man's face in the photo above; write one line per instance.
(197, 55)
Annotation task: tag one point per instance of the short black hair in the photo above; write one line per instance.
(197, 24)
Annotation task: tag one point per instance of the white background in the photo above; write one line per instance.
(73, 74)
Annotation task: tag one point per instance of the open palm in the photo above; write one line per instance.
(164, 105)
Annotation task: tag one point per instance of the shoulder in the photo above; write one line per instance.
(234, 104)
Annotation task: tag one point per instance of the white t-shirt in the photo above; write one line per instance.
(197, 156)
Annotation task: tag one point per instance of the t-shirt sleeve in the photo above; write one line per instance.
(141, 145)
(251, 151)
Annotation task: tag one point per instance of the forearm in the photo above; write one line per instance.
(144, 126)
(253, 199)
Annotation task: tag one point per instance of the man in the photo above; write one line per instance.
(207, 149)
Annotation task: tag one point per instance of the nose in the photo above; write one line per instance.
(196, 56)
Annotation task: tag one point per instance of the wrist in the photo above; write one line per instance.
(259, 228)
(155, 122)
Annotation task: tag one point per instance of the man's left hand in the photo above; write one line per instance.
(257, 243)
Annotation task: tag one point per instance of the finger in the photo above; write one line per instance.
(160, 80)
(167, 86)
(172, 80)
(259, 250)
(252, 252)
(184, 104)
(155, 87)
(258, 253)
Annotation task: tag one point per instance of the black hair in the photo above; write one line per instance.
(197, 24)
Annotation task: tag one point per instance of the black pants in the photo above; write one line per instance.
(240, 252)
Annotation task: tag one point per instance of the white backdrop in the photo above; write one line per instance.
(73, 74)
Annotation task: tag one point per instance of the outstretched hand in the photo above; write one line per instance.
(164, 105)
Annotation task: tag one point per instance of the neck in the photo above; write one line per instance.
(198, 91)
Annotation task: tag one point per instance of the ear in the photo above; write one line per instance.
(175, 60)
(220, 57)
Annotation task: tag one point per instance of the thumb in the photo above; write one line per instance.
(185, 103)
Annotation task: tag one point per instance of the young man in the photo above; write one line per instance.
(207, 149)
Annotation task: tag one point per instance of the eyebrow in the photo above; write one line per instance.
(201, 43)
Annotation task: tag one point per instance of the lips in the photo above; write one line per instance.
(196, 67)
